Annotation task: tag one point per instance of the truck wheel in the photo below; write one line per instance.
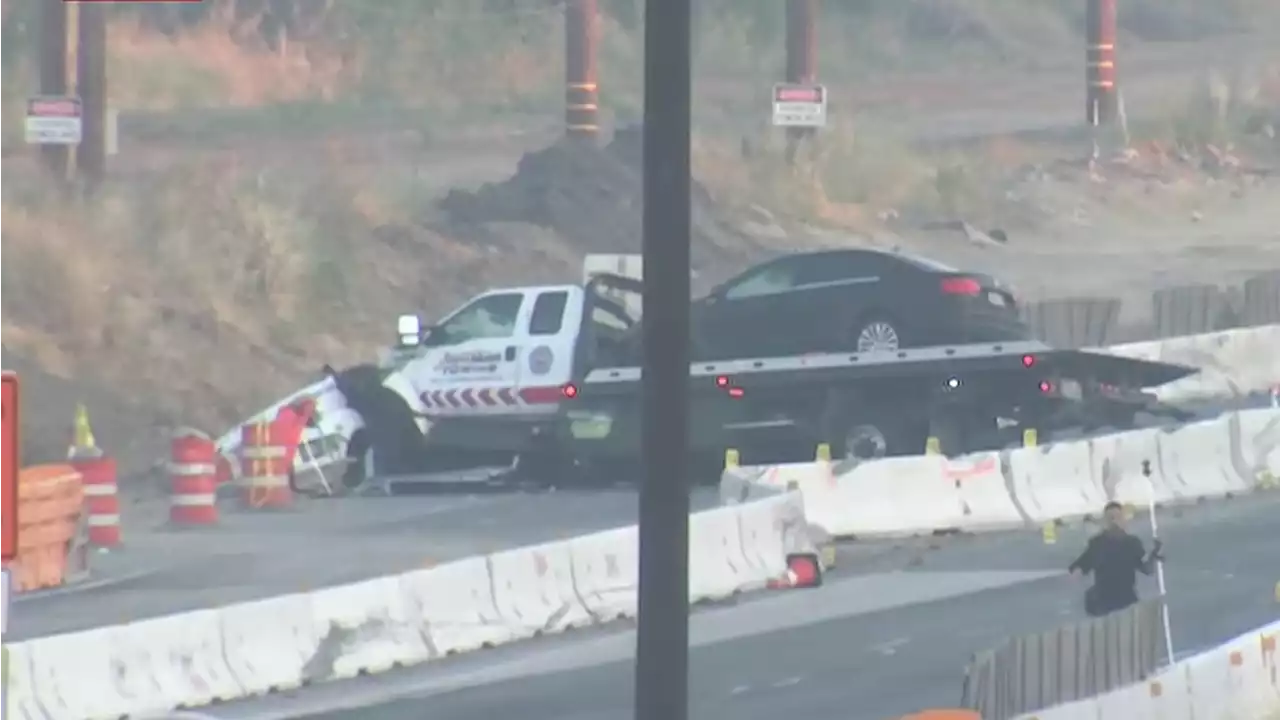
(862, 442)
(853, 435)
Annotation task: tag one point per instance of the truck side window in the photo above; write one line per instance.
(548, 313)
(492, 316)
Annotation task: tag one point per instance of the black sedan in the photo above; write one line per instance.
(851, 301)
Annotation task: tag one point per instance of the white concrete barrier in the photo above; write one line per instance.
(1235, 680)
(1232, 363)
(1027, 486)
(193, 659)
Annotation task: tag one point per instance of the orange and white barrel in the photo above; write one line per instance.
(264, 466)
(193, 498)
(101, 498)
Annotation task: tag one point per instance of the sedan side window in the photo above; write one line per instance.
(492, 316)
(766, 281)
(845, 267)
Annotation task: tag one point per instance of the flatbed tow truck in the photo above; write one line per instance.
(557, 397)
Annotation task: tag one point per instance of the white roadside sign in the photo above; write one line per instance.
(803, 106)
(54, 120)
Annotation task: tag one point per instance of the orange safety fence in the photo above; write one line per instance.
(50, 518)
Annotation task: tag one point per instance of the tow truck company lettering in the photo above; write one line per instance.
(467, 363)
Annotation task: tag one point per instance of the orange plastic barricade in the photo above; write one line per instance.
(9, 462)
(265, 465)
(51, 549)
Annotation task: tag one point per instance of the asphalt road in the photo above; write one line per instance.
(889, 634)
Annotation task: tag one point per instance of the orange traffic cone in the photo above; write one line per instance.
(803, 571)
(83, 444)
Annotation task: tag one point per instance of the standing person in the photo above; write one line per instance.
(1115, 558)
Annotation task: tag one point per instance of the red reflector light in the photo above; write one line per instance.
(961, 286)
(1046, 387)
(545, 395)
(722, 381)
(736, 392)
(1028, 360)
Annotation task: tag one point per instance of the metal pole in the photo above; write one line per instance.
(91, 85)
(581, 94)
(1100, 58)
(662, 641)
(53, 74)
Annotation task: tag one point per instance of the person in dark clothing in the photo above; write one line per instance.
(1114, 557)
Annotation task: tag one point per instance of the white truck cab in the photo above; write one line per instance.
(502, 362)
(505, 352)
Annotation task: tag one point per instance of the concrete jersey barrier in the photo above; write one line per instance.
(1235, 680)
(281, 643)
(1028, 486)
(1232, 363)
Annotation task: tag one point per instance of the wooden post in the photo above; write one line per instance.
(53, 74)
(91, 85)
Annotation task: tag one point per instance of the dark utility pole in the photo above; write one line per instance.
(53, 74)
(581, 94)
(91, 86)
(662, 640)
(1102, 106)
(802, 41)
(802, 57)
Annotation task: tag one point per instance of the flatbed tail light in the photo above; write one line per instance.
(548, 394)
(961, 286)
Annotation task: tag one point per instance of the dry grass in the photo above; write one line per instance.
(207, 289)
(855, 177)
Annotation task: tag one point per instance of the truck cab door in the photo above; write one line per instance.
(548, 348)
(470, 362)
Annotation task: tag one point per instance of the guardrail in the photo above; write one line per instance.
(1237, 679)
